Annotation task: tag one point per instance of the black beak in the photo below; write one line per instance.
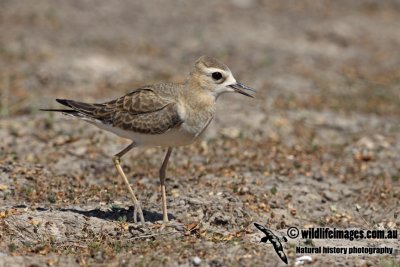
(240, 87)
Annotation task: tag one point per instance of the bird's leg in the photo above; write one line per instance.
(137, 207)
(162, 184)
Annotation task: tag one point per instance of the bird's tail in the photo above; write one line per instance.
(69, 111)
(77, 108)
(69, 103)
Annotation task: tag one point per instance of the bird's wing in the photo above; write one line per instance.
(143, 111)
(264, 230)
(280, 252)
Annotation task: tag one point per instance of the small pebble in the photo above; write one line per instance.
(196, 261)
(302, 260)
(195, 201)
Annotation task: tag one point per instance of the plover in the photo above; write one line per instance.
(161, 115)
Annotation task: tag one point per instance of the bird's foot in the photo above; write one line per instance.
(138, 211)
(180, 227)
(165, 219)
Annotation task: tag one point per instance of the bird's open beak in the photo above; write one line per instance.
(240, 87)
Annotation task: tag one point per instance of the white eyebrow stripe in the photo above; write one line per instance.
(211, 70)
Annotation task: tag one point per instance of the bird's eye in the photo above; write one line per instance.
(216, 75)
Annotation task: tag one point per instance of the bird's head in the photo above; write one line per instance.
(216, 78)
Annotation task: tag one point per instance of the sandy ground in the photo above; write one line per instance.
(318, 146)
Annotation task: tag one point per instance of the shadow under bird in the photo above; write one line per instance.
(161, 115)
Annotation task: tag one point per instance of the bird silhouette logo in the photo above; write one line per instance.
(275, 241)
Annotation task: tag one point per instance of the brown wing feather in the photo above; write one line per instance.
(142, 111)
(138, 102)
(156, 122)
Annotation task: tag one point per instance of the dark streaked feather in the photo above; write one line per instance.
(142, 111)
